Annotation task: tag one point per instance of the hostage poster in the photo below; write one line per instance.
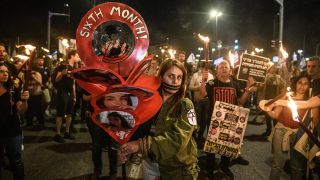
(226, 130)
(255, 66)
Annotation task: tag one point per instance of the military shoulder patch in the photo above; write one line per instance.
(192, 117)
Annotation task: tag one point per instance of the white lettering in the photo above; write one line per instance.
(140, 30)
(87, 24)
(116, 9)
(131, 18)
(143, 37)
(125, 13)
(91, 17)
(84, 33)
(139, 22)
(99, 13)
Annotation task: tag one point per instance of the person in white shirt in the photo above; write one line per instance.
(200, 103)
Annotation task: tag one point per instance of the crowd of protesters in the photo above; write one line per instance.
(170, 141)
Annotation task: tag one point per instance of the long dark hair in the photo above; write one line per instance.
(294, 84)
(9, 84)
(165, 66)
(124, 123)
(100, 101)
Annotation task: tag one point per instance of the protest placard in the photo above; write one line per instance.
(226, 130)
(255, 66)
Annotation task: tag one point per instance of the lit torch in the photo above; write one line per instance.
(65, 44)
(172, 53)
(206, 40)
(30, 51)
(22, 57)
(296, 117)
(283, 54)
(232, 58)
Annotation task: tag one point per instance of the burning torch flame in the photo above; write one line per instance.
(22, 57)
(293, 107)
(28, 48)
(45, 50)
(284, 53)
(65, 43)
(205, 39)
(270, 63)
(232, 58)
(172, 53)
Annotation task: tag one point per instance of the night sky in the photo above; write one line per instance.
(252, 22)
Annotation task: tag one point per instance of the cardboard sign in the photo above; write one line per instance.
(226, 130)
(114, 36)
(255, 66)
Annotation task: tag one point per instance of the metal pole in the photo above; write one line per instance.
(217, 27)
(49, 28)
(281, 3)
(281, 22)
(50, 14)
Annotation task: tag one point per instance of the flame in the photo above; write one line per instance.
(65, 43)
(232, 58)
(172, 53)
(28, 48)
(45, 50)
(205, 39)
(22, 57)
(270, 63)
(284, 53)
(293, 107)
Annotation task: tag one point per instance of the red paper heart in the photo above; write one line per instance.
(103, 83)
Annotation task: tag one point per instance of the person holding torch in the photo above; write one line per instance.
(285, 133)
(12, 105)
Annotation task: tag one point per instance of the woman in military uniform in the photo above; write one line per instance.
(171, 145)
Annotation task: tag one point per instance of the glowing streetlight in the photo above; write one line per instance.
(215, 14)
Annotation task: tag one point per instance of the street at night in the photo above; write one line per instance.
(46, 159)
(160, 90)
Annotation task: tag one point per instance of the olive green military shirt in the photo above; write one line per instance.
(173, 146)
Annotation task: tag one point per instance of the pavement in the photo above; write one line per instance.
(46, 159)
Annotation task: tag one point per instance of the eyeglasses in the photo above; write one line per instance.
(4, 71)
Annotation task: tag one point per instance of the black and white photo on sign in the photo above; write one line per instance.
(226, 130)
(255, 66)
